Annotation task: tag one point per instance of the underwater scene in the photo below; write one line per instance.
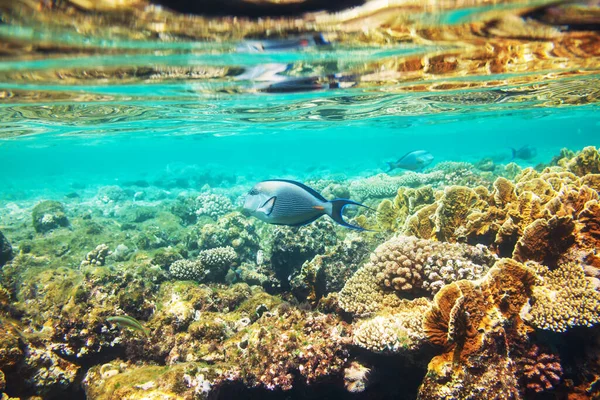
(299, 199)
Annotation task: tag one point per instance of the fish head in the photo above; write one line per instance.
(424, 159)
(259, 202)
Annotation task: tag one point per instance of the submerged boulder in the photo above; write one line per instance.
(5, 250)
(48, 215)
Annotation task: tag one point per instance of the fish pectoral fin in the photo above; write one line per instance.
(320, 208)
(267, 207)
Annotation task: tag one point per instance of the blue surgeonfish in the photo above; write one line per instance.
(414, 161)
(285, 202)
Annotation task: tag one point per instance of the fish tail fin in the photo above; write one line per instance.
(390, 166)
(514, 152)
(337, 208)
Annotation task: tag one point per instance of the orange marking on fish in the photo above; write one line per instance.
(319, 208)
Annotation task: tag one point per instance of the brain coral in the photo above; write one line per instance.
(408, 267)
(565, 299)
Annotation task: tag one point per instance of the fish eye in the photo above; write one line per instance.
(253, 192)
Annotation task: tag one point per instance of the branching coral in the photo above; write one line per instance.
(383, 185)
(565, 299)
(540, 370)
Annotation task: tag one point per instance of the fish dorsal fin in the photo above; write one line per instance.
(268, 206)
(406, 155)
(303, 186)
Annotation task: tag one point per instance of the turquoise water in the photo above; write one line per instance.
(146, 143)
(108, 150)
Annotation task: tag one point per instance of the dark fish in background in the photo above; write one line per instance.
(524, 153)
(285, 202)
(414, 161)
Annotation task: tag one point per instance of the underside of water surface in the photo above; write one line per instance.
(133, 265)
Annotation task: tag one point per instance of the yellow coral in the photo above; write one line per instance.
(539, 187)
(454, 206)
(421, 224)
(387, 216)
(504, 192)
(587, 161)
(570, 201)
(545, 240)
(464, 312)
(591, 180)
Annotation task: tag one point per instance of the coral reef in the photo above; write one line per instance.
(276, 346)
(210, 266)
(478, 325)
(327, 273)
(411, 267)
(231, 230)
(541, 370)
(291, 247)
(546, 216)
(239, 306)
(48, 215)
